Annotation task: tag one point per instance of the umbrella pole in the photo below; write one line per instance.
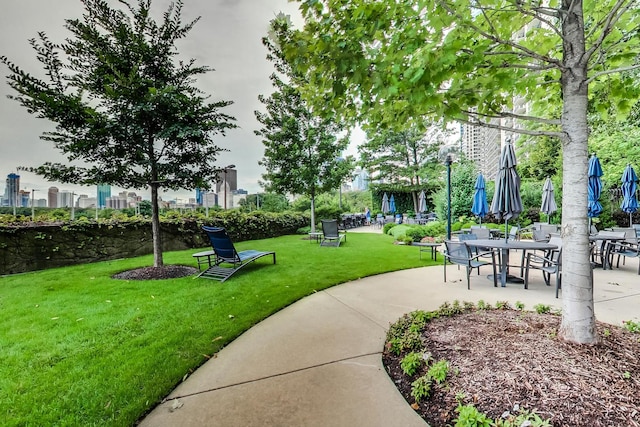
(506, 231)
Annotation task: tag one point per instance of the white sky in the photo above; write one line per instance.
(227, 38)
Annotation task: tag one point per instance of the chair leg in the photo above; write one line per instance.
(468, 277)
(526, 275)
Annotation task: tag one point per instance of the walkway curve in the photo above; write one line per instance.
(318, 362)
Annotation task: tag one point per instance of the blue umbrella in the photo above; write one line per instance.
(385, 204)
(629, 200)
(480, 206)
(392, 204)
(594, 208)
(549, 205)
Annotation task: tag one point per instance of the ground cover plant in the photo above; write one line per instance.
(79, 347)
(478, 365)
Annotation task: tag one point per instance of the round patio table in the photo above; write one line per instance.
(505, 247)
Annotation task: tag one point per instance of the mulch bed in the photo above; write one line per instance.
(505, 359)
(156, 273)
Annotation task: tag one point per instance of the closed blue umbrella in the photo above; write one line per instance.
(507, 203)
(594, 208)
(480, 206)
(549, 205)
(392, 204)
(385, 204)
(629, 200)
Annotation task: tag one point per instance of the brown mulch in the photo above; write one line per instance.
(155, 273)
(505, 359)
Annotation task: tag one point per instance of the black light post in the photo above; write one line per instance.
(447, 163)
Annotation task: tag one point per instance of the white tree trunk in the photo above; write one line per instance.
(578, 317)
(313, 214)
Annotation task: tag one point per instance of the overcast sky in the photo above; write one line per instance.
(227, 38)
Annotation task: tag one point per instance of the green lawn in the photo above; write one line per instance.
(80, 348)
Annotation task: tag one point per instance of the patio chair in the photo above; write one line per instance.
(331, 234)
(625, 250)
(227, 260)
(459, 253)
(549, 263)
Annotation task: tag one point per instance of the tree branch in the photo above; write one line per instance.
(559, 135)
(615, 70)
(610, 20)
(524, 51)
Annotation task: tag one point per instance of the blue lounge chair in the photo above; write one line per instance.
(226, 254)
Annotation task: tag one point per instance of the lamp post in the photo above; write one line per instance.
(225, 184)
(206, 204)
(33, 199)
(73, 205)
(447, 162)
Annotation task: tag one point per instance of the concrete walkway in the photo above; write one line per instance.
(318, 361)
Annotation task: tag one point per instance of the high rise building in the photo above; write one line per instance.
(66, 199)
(230, 177)
(482, 145)
(52, 197)
(103, 193)
(12, 189)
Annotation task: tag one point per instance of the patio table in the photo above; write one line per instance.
(505, 247)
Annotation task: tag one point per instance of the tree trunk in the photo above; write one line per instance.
(313, 213)
(155, 227)
(578, 317)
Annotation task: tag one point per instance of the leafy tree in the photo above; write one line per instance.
(463, 181)
(270, 202)
(383, 61)
(302, 150)
(126, 112)
(402, 157)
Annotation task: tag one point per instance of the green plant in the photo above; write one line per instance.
(388, 226)
(503, 305)
(523, 418)
(631, 326)
(542, 308)
(469, 416)
(626, 375)
(519, 305)
(411, 363)
(421, 388)
(438, 371)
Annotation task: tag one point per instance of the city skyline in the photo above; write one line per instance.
(227, 38)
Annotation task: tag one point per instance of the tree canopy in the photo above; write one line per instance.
(495, 63)
(126, 110)
(303, 150)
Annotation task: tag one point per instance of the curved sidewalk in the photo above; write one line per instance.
(318, 361)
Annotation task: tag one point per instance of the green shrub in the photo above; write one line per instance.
(388, 226)
(411, 363)
(421, 388)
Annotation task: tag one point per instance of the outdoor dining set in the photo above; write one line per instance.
(480, 246)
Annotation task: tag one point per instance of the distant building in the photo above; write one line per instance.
(24, 199)
(360, 180)
(65, 199)
(103, 192)
(12, 189)
(231, 178)
(52, 197)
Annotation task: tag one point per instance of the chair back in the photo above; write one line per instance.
(629, 233)
(458, 252)
(467, 236)
(221, 243)
(556, 240)
(329, 227)
(540, 235)
(513, 233)
(482, 233)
